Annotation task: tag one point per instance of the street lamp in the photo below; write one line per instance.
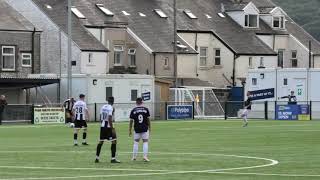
(69, 56)
(175, 43)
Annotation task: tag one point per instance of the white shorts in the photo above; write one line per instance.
(245, 113)
(144, 136)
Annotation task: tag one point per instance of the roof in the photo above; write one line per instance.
(26, 83)
(58, 14)
(230, 6)
(291, 28)
(156, 33)
(10, 19)
(241, 41)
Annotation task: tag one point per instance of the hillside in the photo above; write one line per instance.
(304, 12)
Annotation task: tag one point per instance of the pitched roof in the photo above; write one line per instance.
(291, 28)
(58, 14)
(155, 32)
(240, 40)
(10, 19)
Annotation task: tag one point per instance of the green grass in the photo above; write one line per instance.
(180, 150)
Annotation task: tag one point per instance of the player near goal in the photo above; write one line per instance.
(80, 116)
(247, 109)
(139, 118)
(107, 130)
(68, 105)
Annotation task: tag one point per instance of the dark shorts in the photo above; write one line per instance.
(80, 124)
(107, 134)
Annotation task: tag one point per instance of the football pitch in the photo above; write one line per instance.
(180, 150)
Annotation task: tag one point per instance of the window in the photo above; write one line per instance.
(118, 53)
(8, 58)
(166, 63)
(250, 62)
(279, 22)
(190, 14)
(294, 59)
(132, 57)
(141, 14)
(126, 13)
(217, 58)
(26, 59)
(280, 57)
(285, 81)
(254, 81)
(160, 13)
(77, 13)
(251, 21)
(104, 10)
(221, 15)
(109, 92)
(134, 94)
(261, 62)
(90, 55)
(203, 56)
(208, 16)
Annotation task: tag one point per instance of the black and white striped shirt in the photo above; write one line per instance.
(80, 109)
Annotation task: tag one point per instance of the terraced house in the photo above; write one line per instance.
(19, 56)
(218, 40)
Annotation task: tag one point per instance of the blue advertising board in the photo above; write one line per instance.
(146, 96)
(262, 94)
(175, 112)
(292, 112)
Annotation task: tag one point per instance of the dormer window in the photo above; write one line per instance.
(279, 22)
(251, 21)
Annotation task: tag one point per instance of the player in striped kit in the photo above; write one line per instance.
(80, 116)
(107, 131)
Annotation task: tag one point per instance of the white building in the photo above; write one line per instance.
(124, 88)
(304, 82)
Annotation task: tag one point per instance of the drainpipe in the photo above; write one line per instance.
(310, 55)
(154, 64)
(234, 70)
(274, 42)
(32, 50)
(196, 48)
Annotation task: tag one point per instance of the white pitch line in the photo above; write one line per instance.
(166, 172)
(67, 168)
(266, 174)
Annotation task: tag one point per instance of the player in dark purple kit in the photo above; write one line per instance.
(139, 117)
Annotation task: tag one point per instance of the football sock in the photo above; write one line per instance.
(99, 146)
(245, 119)
(84, 136)
(135, 149)
(75, 137)
(145, 149)
(113, 150)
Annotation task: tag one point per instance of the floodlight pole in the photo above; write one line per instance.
(175, 43)
(69, 56)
